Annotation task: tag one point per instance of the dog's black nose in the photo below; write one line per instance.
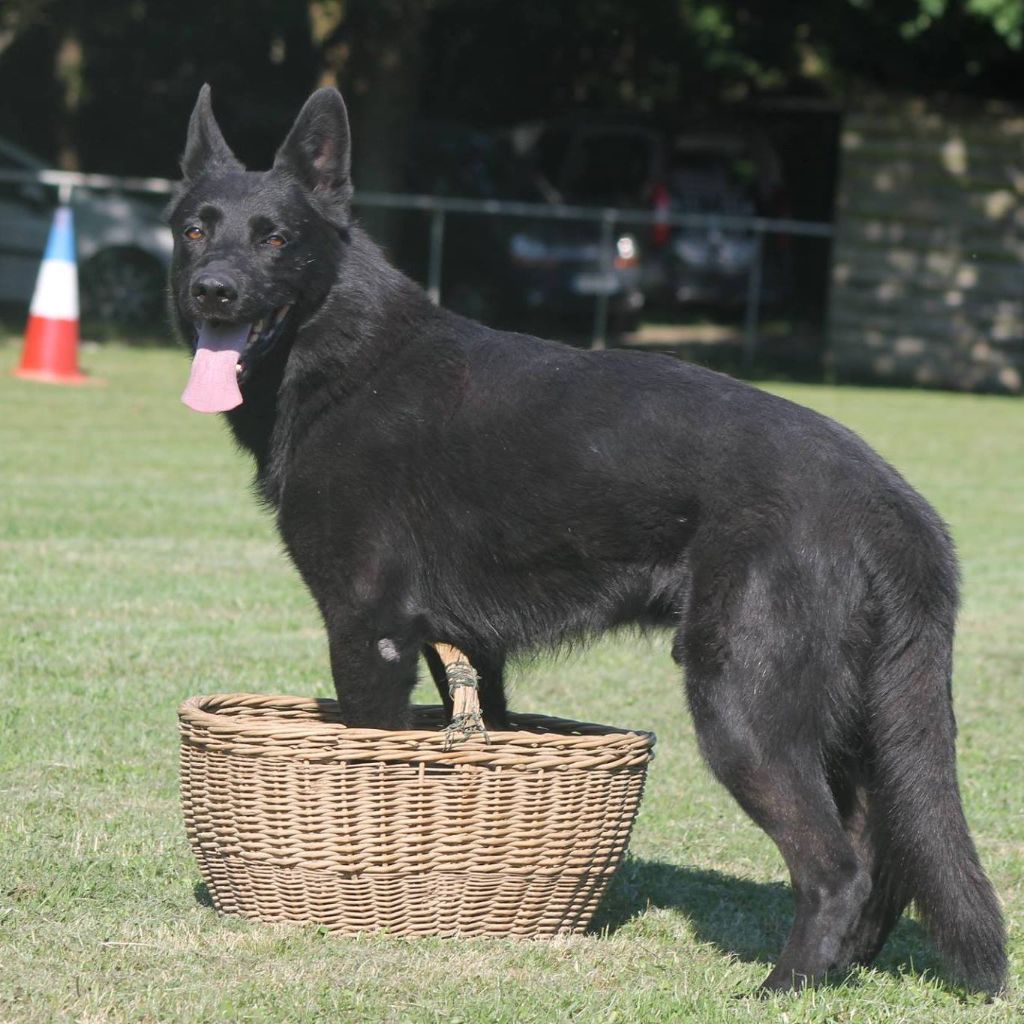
(214, 292)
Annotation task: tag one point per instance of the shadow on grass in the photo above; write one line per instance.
(745, 919)
(748, 920)
(202, 894)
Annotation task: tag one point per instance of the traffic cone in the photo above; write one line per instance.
(51, 338)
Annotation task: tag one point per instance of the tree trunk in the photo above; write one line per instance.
(68, 70)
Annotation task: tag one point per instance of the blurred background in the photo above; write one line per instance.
(806, 188)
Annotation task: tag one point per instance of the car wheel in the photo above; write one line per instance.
(122, 289)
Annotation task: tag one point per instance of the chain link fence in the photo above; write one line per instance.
(19, 202)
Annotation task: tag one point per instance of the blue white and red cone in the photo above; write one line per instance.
(50, 352)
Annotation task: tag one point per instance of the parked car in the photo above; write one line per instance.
(604, 163)
(735, 176)
(123, 246)
(595, 162)
(638, 167)
(506, 269)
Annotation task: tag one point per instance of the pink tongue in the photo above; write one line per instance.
(213, 383)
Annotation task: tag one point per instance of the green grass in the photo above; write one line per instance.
(137, 570)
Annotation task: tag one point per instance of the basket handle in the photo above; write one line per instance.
(463, 685)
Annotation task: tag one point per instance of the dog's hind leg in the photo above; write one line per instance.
(782, 786)
(890, 891)
(756, 692)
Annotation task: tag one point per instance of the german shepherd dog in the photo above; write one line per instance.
(435, 481)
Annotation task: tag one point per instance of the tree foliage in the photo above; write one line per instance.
(109, 83)
(1005, 16)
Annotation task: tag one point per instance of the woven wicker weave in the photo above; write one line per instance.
(293, 817)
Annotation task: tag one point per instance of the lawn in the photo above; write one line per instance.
(137, 570)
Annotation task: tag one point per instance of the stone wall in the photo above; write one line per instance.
(928, 261)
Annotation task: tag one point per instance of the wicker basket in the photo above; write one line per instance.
(293, 817)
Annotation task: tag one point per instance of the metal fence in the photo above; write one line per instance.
(605, 221)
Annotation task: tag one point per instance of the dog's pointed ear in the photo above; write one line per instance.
(318, 152)
(205, 148)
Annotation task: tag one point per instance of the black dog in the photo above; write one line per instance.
(437, 481)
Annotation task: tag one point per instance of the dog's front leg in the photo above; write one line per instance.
(373, 661)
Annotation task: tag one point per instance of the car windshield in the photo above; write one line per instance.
(612, 169)
(711, 181)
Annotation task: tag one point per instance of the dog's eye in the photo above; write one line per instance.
(275, 240)
(194, 232)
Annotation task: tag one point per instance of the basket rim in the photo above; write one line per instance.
(203, 712)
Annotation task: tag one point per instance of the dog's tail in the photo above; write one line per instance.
(913, 734)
